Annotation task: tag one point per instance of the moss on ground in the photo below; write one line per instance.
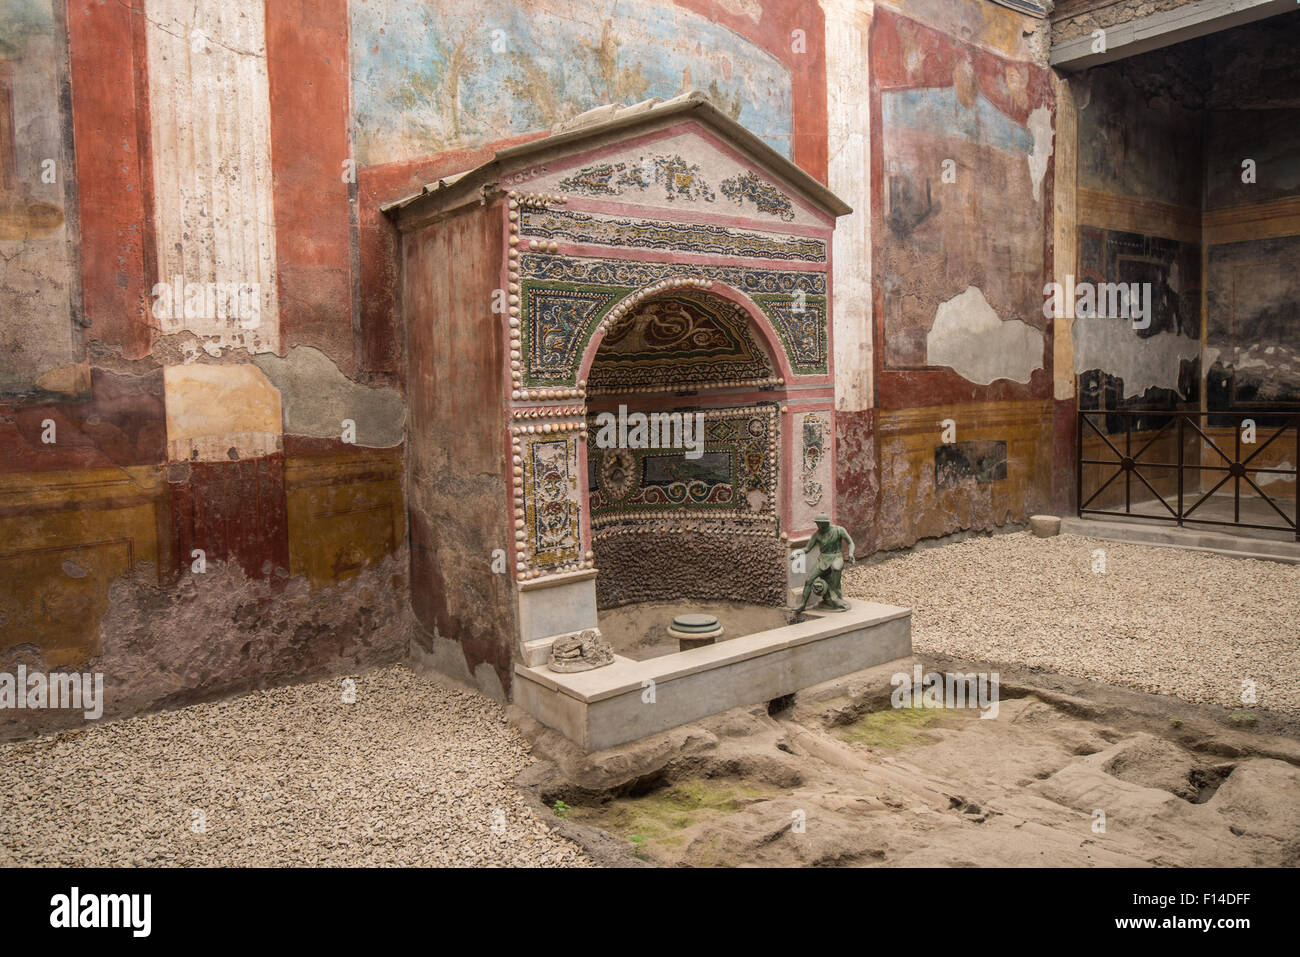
(662, 816)
(892, 728)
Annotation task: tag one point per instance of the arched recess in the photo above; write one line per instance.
(758, 320)
(688, 507)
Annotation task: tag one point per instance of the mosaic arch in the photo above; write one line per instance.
(686, 339)
(565, 302)
(742, 314)
(680, 333)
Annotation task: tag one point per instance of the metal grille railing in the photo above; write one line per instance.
(1198, 460)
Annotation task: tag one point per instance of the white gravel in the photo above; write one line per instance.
(413, 773)
(1161, 620)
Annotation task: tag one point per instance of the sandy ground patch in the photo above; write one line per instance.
(1086, 776)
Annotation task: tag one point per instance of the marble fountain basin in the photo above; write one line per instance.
(632, 698)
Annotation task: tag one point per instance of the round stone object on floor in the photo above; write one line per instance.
(695, 630)
(1045, 526)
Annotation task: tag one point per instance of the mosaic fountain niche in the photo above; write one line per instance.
(664, 363)
(683, 464)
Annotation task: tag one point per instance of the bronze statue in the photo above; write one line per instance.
(829, 541)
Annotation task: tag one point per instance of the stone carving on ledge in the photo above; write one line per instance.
(829, 541)
(581, 652)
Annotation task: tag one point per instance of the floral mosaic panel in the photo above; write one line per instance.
(687, 340)
(676, 178)
(801, 323)
(551, 500)
(813, 492)
(653, 234)
(746, 188)
(559, 318)
(734, 481)
(793, 301)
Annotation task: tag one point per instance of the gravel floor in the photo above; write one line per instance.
(412, 773)
(1160, 620)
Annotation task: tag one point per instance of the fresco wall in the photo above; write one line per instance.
(203, 301)
(446, 75)
(1252, 229)
(37, 204)
(201, 493)
(1139, 178)
(961, 185)
(1188, 165)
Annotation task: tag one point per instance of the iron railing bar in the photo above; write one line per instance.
(1128, 472)
(1180, 471)
(1145, 465)
(1213, 445)
(1236, 484)
(1264, 495)
(1153, 438)
(1078, 463)
(1159, 497)
(1266, 444)
(1103, 488)
(1099, 432)
(1203, 498)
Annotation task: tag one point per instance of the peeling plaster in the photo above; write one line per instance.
(1112, 345)
(969, 337)
(70, 379)
(1040, 127)
(216, 413)
(222, 633)
(316, 397)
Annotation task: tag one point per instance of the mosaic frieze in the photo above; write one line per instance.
(732, 480)
(559, 320)
(551, 505)
(678, 340)
(813, 489)
(652, 234)
(816, 442)
(801, 323)
(746, 187)
(678, 179)
(793, 301)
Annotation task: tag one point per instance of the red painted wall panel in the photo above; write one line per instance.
(234, 511)
(307, 66)
(902, 388)
(803, 54)
(110, 118)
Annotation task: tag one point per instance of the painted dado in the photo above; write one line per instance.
(658, 264)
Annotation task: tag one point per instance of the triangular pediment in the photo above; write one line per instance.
(681, 154)
(685, 167)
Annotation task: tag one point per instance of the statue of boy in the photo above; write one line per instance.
(829, 541)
